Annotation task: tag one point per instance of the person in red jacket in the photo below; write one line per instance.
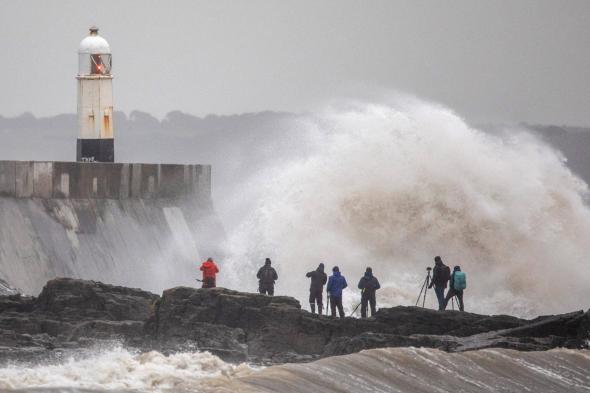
(209, 269)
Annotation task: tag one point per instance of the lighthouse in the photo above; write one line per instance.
(96, 141)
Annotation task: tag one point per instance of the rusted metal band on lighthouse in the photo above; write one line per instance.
(95, 100)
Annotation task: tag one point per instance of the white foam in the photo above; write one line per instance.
(118, 369)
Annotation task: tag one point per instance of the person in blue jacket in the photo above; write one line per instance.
(336, 284)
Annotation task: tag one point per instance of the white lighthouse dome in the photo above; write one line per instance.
(94, 44)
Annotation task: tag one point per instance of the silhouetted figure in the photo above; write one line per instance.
(316, 289)
(440, 276)
(456, 286)
(336, 284)
(209, 269)
(368, 285)
(267, 276)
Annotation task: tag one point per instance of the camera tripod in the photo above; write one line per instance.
(424, 288)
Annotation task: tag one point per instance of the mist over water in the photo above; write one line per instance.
(391, 185)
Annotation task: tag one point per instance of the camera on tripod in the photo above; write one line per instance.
(424, 287)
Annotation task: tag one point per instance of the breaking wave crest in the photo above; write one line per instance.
(122, 371)
(379, 370)
(392, 185)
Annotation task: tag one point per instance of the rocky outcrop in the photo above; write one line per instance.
(243, 326)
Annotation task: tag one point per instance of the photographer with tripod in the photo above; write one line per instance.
(368, 285)
(440, 277)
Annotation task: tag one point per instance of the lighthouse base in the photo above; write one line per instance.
(96, 150)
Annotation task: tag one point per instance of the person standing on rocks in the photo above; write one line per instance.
(456, 286)
(316, 289)
(267, 276)
(440, 276)
(368, 285)
(209, 269)
(336, 284)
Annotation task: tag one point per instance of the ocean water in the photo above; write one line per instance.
(407, 370)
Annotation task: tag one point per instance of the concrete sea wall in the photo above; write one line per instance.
(140, 225)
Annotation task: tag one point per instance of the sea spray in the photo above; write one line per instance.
(392, 185)
(119, 369)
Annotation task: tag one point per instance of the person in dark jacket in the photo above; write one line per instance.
(316, 289)
(440, 276)
(368, 285)
(454, 292)
(336, 284)
(267, 276)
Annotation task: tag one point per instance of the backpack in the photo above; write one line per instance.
(460, 281)
(268, 276)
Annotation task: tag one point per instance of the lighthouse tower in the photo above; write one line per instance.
(95, 100)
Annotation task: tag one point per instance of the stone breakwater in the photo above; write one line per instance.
(78, 314)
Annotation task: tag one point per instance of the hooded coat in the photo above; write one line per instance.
(209, 269)
(336, 284)
(440, 275)
(267, 275)
(369, 284)
(318, 279)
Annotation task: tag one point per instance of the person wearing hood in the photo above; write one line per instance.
(336, 284)
(440, 276)
(368, 285)
(267, 276)
(457, 284)
(209, 269)
(316, 289)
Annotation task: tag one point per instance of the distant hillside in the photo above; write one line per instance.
(236, 145)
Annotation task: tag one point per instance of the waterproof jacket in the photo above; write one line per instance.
(440, 275)
(336, 284)
(369, 284)
(318, 279)
(267, 275)
(209, 269)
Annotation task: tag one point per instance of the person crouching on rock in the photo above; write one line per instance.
(440, 276)
(316, 289)
(456, 286)
(368, 285)
(209, 269)
(267, 276)
(336, 284)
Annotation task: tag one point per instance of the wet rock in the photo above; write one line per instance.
(77, 314)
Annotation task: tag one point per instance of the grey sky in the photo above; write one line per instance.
(490, 61)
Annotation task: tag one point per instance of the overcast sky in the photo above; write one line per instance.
(497, 61)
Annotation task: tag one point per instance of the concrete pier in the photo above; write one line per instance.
(142, 225)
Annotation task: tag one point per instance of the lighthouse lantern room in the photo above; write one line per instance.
(95, 100)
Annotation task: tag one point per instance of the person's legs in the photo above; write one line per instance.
(340, 308)
(373, 303)
(333, 306)
(364, 302)
(271, 290)
(208, 282)
(440, 296)
(459, 295)
(319, 301)
(450, 294)
(312, 301)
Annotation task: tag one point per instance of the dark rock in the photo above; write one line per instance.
(75, 299)
(76, 314)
